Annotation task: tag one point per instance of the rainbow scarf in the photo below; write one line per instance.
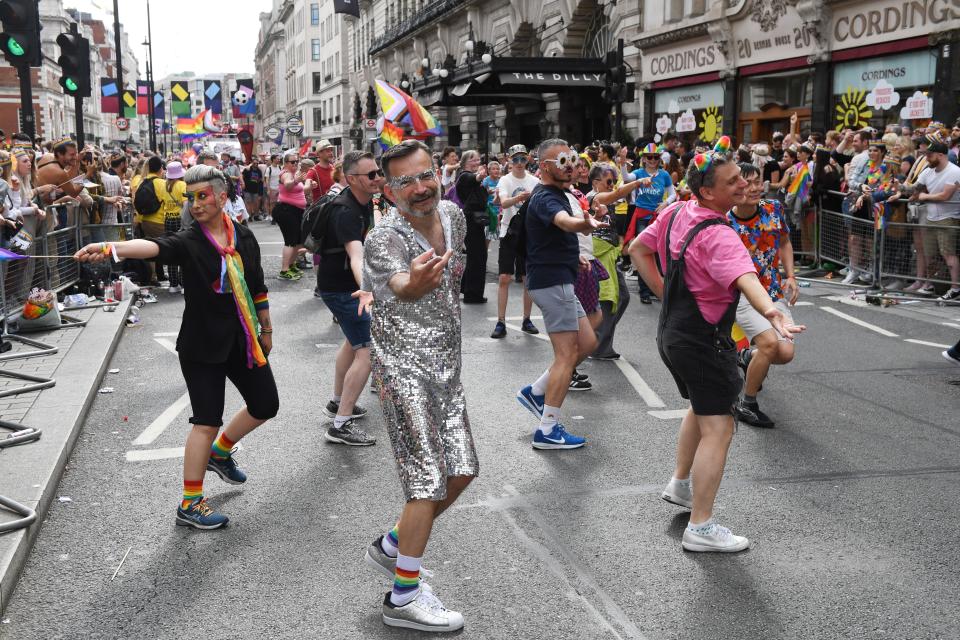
(877, 175)
(800, 186)
(232, 281)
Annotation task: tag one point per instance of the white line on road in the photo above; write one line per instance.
(803, 303)
(639, 384)
(669, 414)
(163, 421)
(154, 454)
(951, 324)
(166, 344)
(859, 322)
(928, 344)
(168, 334)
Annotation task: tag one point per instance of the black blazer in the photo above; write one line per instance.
(211, 326)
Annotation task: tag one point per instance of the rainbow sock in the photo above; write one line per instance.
(192, 490)
(406, 580)
(391, 543)
(221, 447)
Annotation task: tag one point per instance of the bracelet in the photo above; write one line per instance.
(104, 247)
(267, 330)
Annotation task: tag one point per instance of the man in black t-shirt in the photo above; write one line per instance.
(253, 189)
(338, 279)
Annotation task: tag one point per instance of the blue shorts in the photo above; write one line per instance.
(356, 328)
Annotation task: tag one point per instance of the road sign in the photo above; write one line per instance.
(123, 124)
(273, 132)
(370, 124)
(294, 125)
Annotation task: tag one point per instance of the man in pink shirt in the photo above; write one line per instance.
(706, 269)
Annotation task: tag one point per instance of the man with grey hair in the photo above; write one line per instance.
(413, 265)
(349, 217)
(554, 217)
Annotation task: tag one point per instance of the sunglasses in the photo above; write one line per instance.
(292, 160)
(199, 196)
(563, 160)
(402, 182)
(371, 175)
(518, 159)
(609, 182)
(651, 157)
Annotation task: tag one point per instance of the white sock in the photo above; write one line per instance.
(549, 419)
(336, 398)
(685, 481)
(540, 384)
(339, 421)
(398, 596)
(700, 528)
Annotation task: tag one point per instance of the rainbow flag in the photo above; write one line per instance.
(800, 186)
(390, 135)
(420, 119)
(189, 126)
(392, 101)
(398, 106)
(879, 220)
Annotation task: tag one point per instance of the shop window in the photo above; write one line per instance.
(790, 89)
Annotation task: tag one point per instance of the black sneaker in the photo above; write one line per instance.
(579, 377)
(580, 385)
(499, 331)
(349, 435)
(645, 300)
(613, 355)
(199, 515)
(743, 360)
(752, 415)
(333, 406)
(529, 327)
(227, 470)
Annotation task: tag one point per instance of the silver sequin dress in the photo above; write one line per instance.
(416, 357)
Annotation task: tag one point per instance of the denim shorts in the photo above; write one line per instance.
(356, 328)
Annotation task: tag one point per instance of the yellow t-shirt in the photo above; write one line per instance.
(173, 199)
(159, 186)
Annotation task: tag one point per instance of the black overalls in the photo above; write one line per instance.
(701, 356)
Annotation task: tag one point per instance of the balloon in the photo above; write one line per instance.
(197, 147)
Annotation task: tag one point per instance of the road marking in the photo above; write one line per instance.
(670, 414)
(859, 322)
(145, 455)
(803, 303)
(166, 344)
(516, 327)
(951, 324)
(639, 384)
(514, 318)
(163, 421)
(928, 344)
(168, 334)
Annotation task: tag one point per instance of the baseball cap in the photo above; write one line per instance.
(516, 149)
(937, 146)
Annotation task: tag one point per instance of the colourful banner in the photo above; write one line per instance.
(244, 100)
(109, 96)
(181, 99)
(159, 107)
(128, 102)
(143, 97)
(213, 96)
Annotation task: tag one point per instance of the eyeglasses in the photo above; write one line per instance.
(563, 159)
(402, 182)
(292, 160)
(370, 175)
(609, 182)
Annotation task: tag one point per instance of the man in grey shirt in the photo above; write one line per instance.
(942, 196)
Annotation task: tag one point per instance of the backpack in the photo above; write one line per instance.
(452, 196)
(316, 219)
(517, 230)
(145, 201)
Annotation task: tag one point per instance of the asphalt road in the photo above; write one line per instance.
(850, 502)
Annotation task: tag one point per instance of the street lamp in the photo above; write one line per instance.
(486, 58)
(468, 45)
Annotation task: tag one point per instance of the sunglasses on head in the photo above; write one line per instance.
(563, 160)
(370, 175)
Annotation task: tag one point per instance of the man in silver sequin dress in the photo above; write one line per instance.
(413, 265)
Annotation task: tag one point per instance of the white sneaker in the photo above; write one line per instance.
(866, 277)
(850, 278)
(715, 538)
(423, 613)
(678, 493)
(175, 290)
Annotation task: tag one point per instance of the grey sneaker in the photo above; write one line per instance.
(716, 538)
(349, 435)
(333, 407)
(680, 494)
(423, 613)
(381, 562)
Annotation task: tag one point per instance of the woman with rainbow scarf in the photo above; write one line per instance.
(226, 333)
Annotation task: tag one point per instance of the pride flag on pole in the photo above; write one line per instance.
(800, 186)
(390, 134)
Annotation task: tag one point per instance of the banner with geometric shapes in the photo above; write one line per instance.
(109, 96)
(213, 96)
(159, 111)
(143, 97)
(243, 99)
(180, 96)
(128, 102)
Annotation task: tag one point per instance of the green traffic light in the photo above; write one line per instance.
(14, 48)
(71, 85)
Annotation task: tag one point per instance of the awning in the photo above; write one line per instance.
(428, 98)
(461, 89)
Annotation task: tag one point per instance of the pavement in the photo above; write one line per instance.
(848, 501)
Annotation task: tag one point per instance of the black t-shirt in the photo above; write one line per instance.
(553, 255)
(349, 222)
(769, 168)
(252, 179)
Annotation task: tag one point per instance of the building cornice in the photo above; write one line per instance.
(669, 37)
(428, 15)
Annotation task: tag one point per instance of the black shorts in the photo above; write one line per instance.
(206, 384)
(508, 262)
(290, 220)
(707, 377)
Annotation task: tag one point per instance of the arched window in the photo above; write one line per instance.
(598, 39)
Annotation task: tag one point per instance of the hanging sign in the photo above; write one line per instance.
(917, 107)
(686, 122)
(883, 96)
(663, 124)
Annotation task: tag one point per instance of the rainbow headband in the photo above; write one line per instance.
(64, 140)
(702, 161)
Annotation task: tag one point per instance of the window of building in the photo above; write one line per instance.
(315, 13)
(337, 100)
(314, 49)
(317, 118)
(317, 82)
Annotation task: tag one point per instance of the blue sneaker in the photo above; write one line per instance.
(199, 515)
(557, 439)
(227, 470)
(531, 401)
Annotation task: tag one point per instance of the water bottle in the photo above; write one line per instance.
(101, 290)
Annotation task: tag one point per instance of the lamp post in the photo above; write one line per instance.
(148, 43)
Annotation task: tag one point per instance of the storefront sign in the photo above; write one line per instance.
(686, 122)
(914, 69)
(917, 107)
(701, 57)
(699, 96)
(775, 39)
(663, 124)
(863, 23)
(883, 96)
(551, 78)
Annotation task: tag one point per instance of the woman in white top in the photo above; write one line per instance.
(234, 207)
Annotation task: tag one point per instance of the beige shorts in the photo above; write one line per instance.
(942, 239)
(753, 323)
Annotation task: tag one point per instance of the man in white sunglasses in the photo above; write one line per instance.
(554, 217)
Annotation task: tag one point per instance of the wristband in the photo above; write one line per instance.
(269, 330)
(104, 247)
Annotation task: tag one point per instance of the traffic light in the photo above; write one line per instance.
(616, 85)
(74, 63)
(20, 39)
